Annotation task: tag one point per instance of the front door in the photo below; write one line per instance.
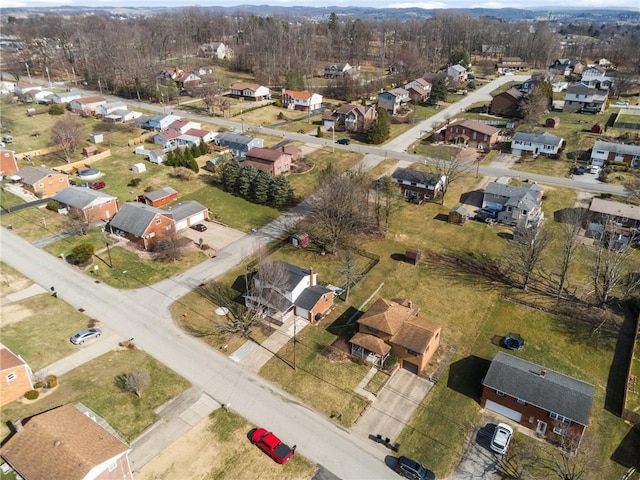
(542, 427)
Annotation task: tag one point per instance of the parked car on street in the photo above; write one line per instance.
(199, 227)
(501, 438)
(272, 445)
(409, 468)
(84, 335)
(343, 141)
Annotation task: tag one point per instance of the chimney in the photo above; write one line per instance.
(17, 424)
(283, 150)
(543, 372)
(311, 282)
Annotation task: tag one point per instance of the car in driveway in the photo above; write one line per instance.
(501, 438)
(272, 445)
(580, 170)
(621, 103)
(409, 468)
(484, 214)
(84, 335)
(595, 169)
(97, 186)
(343, 141)
(199, 227)
(513, 342)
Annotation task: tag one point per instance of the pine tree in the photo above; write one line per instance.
(260, 187)
(194, 150)
(379, 130)
(280, 192)
(193, 165)
(170, 160)
(204, 148)
(245, 181)
(230, 175)
(438, 91)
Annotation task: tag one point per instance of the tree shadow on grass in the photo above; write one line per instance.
(345, 325)
(470, 266)
(465, 376)
(627, 452)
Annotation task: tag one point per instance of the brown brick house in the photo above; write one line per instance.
(92, 205)
(392, 328)
(67, 443)
(15, 377)
(142, 224)
(417, 186)
(275, 162)
(42, 181)
(472, 133)
(552, 404)
(506, 104)
(8, 164)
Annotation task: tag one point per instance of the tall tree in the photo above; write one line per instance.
(536, 103)
(450, 171)
(349, 270)
(438, 91)
(527, 250)
(379, 130)
(388, 200)
(66, 134)
(571, 221)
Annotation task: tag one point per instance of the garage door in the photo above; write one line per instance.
(412, 367)
(181, 225)
(198, 217)
(502, 410)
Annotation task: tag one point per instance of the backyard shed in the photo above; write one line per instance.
(300, 240)
(553, 122)
(458, 215)
(88, 151)
(138, 168)
(597, 128)
(412, 256)
(96, 137)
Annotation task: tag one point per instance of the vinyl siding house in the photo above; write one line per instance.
(183, 126)
(238, 144)
(213, 50)
(417, 186)
(584, 99)
(392, 328)
(619, 220)
(67, 443)
(301, 100)
(419, 90)
(93, 205)
(519, 206)
(457, 73)
(65, 97)
(87, 105)
(167, 139)
(297, 293)
(15, 376)
(187, 213)
(110, 107)
(160, 122)
(535, 144)
(555, 406)
(472, 133)
(250, 91)
(275, 162)
(566, 67)
(393, 100)
(604, 153)
(337, 70)
(142, 224)
(42, 181)
(352, 118)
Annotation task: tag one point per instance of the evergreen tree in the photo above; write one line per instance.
(245, 181)
(460, 56)
(379, 130)
(170, 159)
(281, 192)
(230, 175)
(294, 81)
(204, 148)
(193, 165)
(178, 157)
(187, 156)
(195, 150)
(438, 91)
(260, 187)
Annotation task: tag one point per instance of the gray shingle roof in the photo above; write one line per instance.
(544, 138)
(159, 194)
(415, 176)
(310, 296)
(553, 391)
(184, 209)
(31, 175)
(227, 138)
(621, 148)
(135, 218)
(81, 197)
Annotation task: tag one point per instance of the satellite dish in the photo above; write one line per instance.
(222, 311)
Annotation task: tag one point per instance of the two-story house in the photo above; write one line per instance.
(340, 70)
(419, 90)
(511, 64)
(91, 205)
(392, 328)
(281, 290)
(216, 50)
(393, 100)
(519, 206)
(555, 406)
(584, 99)
(457, 73)
(417, 186)
(535, 79)
(535, 144)
(275, 162)
(15, 376)
(472, 133)
(250, 91)
(593, 71)
(507, 104)
(566, 67)
(352, 118)
(43, 182)
(604, 153)
(87, 105)
(301, 100)
(621, 221)
(183, 126)
(238, 144)
(142, 224)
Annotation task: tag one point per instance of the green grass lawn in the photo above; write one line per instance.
(543, 166)
(93, 384)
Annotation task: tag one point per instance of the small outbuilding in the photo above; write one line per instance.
(300, 240)
(458, 215)
(89, 151)
(96, 137)
(553, 122)
(597, 128)
(413, 256)
(139, 168)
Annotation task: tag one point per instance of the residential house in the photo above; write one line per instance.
(419, 90)
(7, 87)
(42, 181)
(187, 213)
(296, 293)
(66, 97)
(511, 64)
(294, 152)
(457, 73)
(92, 205)
(393, 100)
(566, 67)
(603, 153)
(250, 91)
(535, 143)
(338, 70)
(417, 186)
(197, 135)
(238, 144)
(301, 100)
(15, 376)
(167, 139)
(619, 220)
(67, 443)
(584, 99)
(535, 79)
(159, 198)
(275, 162)
(38, 96)
(472, 133)
(599, 83)
(183, 126)
(213, 50)
(142, 224)
(22, 89)
(87, 105)
(603, 62)
(183, 79)
(352, 118)
(518, 206)
(493, 50)
(507, 104)
(392, 328)
(122, 116)
(110, 107)
(8, 163)
(160, 122)
(593, 72)
(550, 403)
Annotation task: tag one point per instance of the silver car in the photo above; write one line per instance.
(501, 438)
(84, 335)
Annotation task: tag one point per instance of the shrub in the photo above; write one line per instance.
(82, 253)
(56, 110)
(134, 382)
(39, 384)
(53, 205)
(134, 182)
(182, 173)
(52, 381)
(32, 395)
(320, 134)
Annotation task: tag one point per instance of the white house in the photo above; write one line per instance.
(66, 97)
(7, 87)
(337, 70)
(87, 104)
(250, 91)
(205, 136)
(535, 143)
(593, 72)
(183, 126)
(458, 73)
(39, 96)
(166, 139)
(108, 108)
(122, 116)
(301, 100)
(581, 98)
(213, 50)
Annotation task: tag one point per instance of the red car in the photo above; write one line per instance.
(97, 186)
(272, 445)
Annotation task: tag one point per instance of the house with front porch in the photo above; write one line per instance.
(91, 205)
(511, 64)
(584, 99)
(301, 100)
(238, 144)
(519, 205)
(555, 406)
(394, 328)
(542, 143)
(393, 100)
(281, 290)
(603, 153)
(417, 186)
(249, 91)
(351, 118)
(142, 224)
(472, 133)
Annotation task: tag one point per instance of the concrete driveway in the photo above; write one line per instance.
(216, 236)
(394, 405)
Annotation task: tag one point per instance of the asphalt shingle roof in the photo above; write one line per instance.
(159, 194)
(134, 218)
(81, 197)
(544, 138)
(310, 296)
(227, 138)
(415, 176)
(31, 175)
(184, 209)
(621, 148)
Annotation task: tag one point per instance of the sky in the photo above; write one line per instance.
(430, 4)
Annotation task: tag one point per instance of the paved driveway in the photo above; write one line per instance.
(478, 461)
(216, 236)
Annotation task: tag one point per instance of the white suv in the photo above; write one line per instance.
(501, 438)
(595, 169)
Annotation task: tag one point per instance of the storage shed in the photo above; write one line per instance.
(458, 215)
(553, 122)
(139, 168)
(300, 240)
(96, 137)
(413, 256)
(597, 128)
(88, 151)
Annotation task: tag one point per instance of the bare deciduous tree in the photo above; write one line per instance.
(349, 270)
(526, 252)
(168, 249)
(452, 170)
(633, 187)
(571, 223)
(76, 222)
(66, 133)
(388, 200)
(135, 382)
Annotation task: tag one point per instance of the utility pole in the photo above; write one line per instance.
(28, 72)
(294, 343)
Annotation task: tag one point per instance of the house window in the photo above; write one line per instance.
(113, 466)
(559, 431)
(560, 418)
(413, 353)
(500, 393)
(12, 376)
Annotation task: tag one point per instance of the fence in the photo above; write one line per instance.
(627, 414)
(85, 162)
(141, 139)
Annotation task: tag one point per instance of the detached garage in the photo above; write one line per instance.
(187, 213)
